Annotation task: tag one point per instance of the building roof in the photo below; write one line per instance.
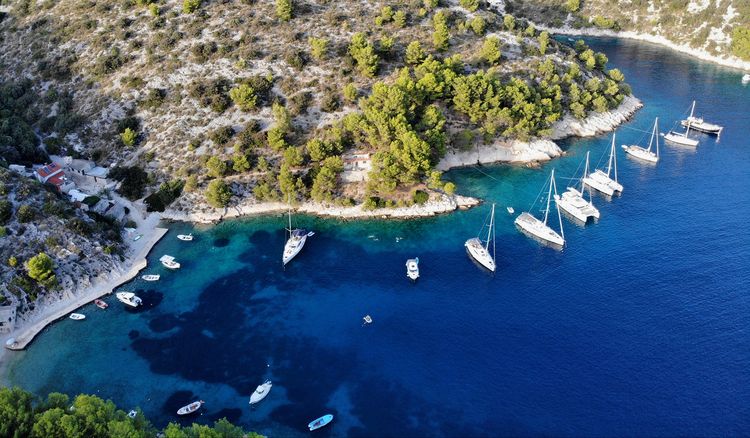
(98, 171)
(77, 195)
(49, 169)
(57, 179)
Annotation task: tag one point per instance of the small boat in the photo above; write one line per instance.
(412, 268)
(151, 277)
(510, 210)
(538, 229)
(701, 125)
(101, 304)
(643, 153)
(480, 251)
(132, 413)
(129, 298)
(189, 409)
(260, 392)
(295, 242)
(185, 237)
(168, 262)
(573, 202)
(320, 422)
(746, 78)
(367, 319)
(602, 181)
(77, 316)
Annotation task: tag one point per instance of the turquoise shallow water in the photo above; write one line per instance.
(639, 327)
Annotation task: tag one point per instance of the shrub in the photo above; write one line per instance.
(420, 197)
(25, 213)
(509, 22)
(440, 36)
(471, 5)
(218, 194)
(12, 261)
(741, 42)
(364, 55)
(190, 6)
(6, 211)
(399, 18)
(572, 5)
(414, 53)
(191, 183)
(490, 51)
(128, 137)
(318, 47)
(222, 135)
(449, 188)
(216, 167)
(478, 25)
(330, 101)
(350, 92)
(40, 268)
(134, 180)
(284, 10)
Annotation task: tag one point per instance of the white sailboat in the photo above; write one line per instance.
(600, 180)
(481, 252)
(260, 392)
(701, 125)
(537, 229)
(646, 154)
(573, 202)
(295, 242)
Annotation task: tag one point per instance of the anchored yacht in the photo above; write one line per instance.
(169, 262)
(412, 268)
(645, 154)
(260, 392)
(600, 180)
(538, 229)
(573, 202)
(480, 251)
(701, 125)
(129, 298)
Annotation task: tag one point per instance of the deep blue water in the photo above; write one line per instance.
(639, 327)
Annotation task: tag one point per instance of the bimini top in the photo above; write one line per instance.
(299, 233)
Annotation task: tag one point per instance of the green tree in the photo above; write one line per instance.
(440, 36)
(509, 22)
(281, 117)
(414, 53)
(471, 5)
(293, 157)
(240, 163)
(284, 10)
(12, 261)
(244, 97)
(530, 30)
(16, 412)
(616, 75)
(318, 47)
(399, 18)
(216, 167)
(430, 4)
(6, 211)
(190, 6)
(325, 181)
(218, 194)
(478, 25)
(25, 213)
(128, 137)
(572, 5)
(364, 55)
(543, 40)
(350, 92)
(741, 42)
(449, 188)
(490, 51)
(41, 268)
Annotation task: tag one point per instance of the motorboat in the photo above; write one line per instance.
(412, 268)
(602, 181)
(260, 392)
(191, 408)
(746, 78)
(573, 202)
(151, 277)
(480, 250)
(185, 237)
(701, 125)
(320, 422)
(169, 262)
(129, 298)
(646, 154)
(101, 304)
(538, 229)
(295, 242)
(367, 319)
(77, 316)
(510, 210)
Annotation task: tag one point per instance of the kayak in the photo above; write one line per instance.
(320, 422)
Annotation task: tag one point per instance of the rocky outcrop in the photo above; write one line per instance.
(596, 123)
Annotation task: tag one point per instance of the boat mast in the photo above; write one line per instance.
(557, 206)
(549, 195)
(609, 163)
(289, 201)
(655, 136)
(585, 173)
(489, 232)
(692, 109)
(613, 156)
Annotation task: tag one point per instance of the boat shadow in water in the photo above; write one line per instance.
(577, 222)
(150, 298)
(479, 266)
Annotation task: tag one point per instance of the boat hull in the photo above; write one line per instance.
(129, 299)
(707, 128)
(479, 254)
(537, 230)
(260, 392)
(676, 138)
(191, 408)
(77, 316)
(291, 251)
(320, 422)
(640, 153)
(581, 214)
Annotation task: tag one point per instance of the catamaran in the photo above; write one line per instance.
(701, 125)
(412, 268)
(129, 298)
(646, 154)
(573, 203)
(297, 239)
(260, 392)
(535, 228)
(480, 251)
(169, 262)
(600, 180)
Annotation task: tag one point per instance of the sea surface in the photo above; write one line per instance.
(639, 327)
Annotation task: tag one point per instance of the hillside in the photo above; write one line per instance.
(720, 28)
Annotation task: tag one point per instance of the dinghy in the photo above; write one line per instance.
(151, 277)
(185, 237)
(320, 422)
(189, 409)
(101, 304)
(260, 392)
(77, 316)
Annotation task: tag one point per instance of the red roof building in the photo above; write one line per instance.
(54, 175)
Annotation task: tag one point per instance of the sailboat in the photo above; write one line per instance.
(573, 203)
(295, 242)
(701, 125)
(600, 180)
(646, 154)
(480, 251)
(535, 228)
